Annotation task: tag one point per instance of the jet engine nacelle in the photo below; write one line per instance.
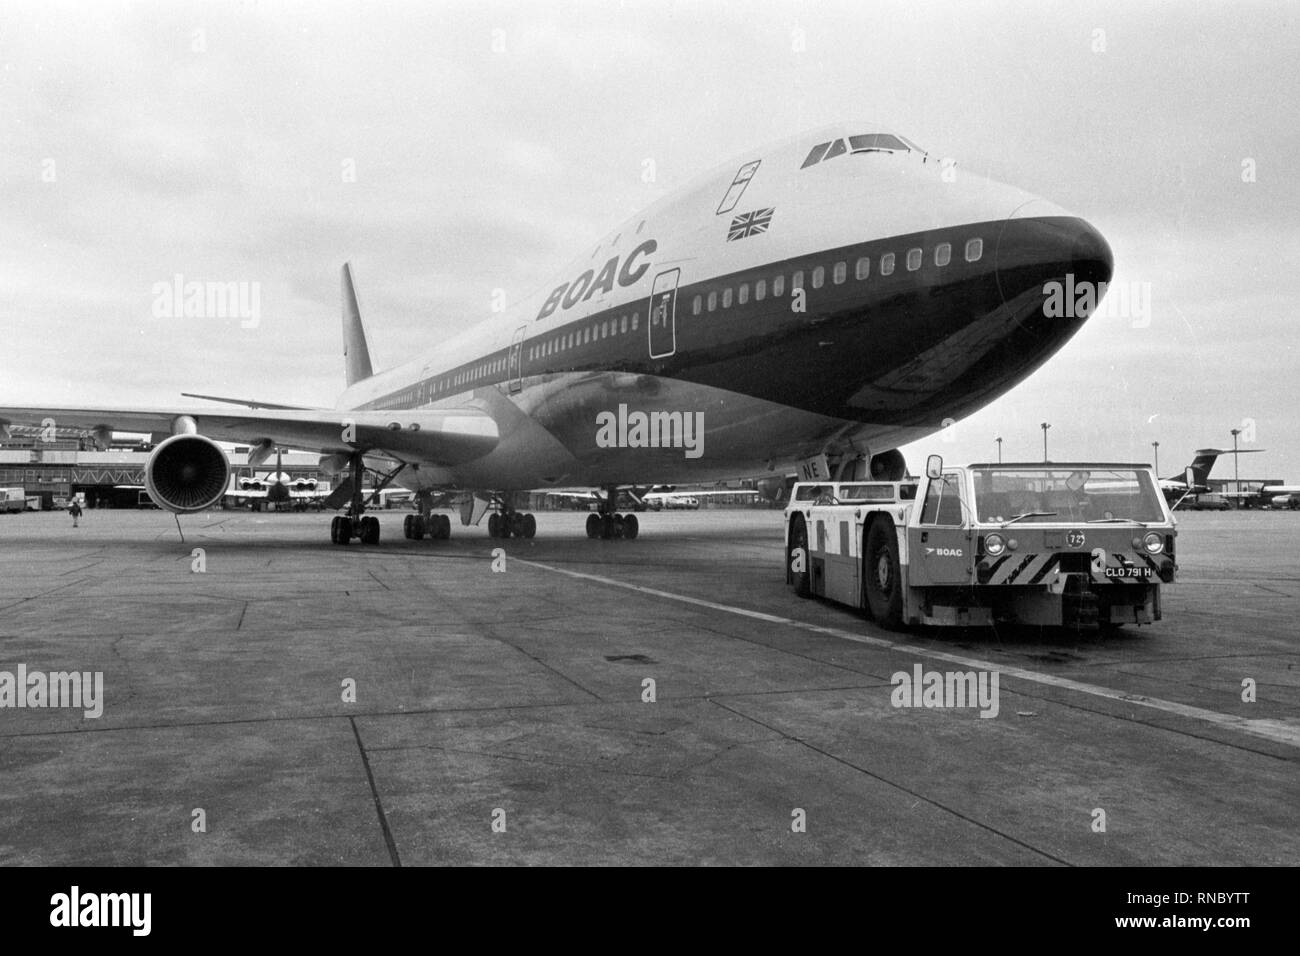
(888, 466)
(187, 473)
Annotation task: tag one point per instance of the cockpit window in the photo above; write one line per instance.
(815, 156)
(877, 141)
(866, 143)
(911, 145)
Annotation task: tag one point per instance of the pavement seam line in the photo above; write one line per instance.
(374, 792)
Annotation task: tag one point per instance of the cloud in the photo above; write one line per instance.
(452, 149)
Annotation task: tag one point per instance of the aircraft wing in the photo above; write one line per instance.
(446, 436)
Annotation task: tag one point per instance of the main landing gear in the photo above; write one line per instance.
(435, 527)
(416, 527)
(511, 524)
(344, 528)
(609, 524)
(356, 523)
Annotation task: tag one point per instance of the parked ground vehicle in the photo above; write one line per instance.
(12, 499)
(1206, 502)
(1079, 544)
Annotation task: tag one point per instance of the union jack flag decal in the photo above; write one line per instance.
(750, 224)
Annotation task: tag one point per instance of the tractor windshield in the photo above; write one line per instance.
(1068, 494)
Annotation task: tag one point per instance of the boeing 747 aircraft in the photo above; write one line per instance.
(810, 305)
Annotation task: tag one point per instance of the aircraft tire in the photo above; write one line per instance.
(341, 530)
(369, 530)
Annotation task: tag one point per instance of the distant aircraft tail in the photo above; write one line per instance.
(356, 354)
(1204, 461)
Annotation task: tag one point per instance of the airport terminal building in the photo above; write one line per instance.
(68, 464)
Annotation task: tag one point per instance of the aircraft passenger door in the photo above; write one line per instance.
(662, 321)
(514, 365)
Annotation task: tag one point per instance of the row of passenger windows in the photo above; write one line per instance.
(630, 323)
(550, 346)
(839, 274)
(434, 387)
(597, 330)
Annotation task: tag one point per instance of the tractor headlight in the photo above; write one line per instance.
(1154, 543)
(994, 545)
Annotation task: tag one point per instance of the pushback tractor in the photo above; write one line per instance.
(1080, 545)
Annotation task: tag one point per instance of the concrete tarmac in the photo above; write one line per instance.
(502, 716)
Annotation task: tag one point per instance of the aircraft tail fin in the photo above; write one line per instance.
(1204, 461)
(356, 354)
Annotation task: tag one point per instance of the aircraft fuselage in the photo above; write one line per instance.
(772, 310)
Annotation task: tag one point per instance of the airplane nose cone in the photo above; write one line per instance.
(1041, 243)
(1090, 254)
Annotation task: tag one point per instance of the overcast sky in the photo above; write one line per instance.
(450, 150)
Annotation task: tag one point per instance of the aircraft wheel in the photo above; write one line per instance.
(607, 526)
(619, 526)
(515, 525)
(341, 529)
(369, 530)
(408, 523)
(593, 525)
(530, 525)
(631, 527)
(442, 527)
(495, 521)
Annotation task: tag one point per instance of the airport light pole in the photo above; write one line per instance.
(1236, 478)
(1155, 463)
(1045, 427)
(999, 441)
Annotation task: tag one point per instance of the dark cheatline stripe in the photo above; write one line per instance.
(882, 296)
